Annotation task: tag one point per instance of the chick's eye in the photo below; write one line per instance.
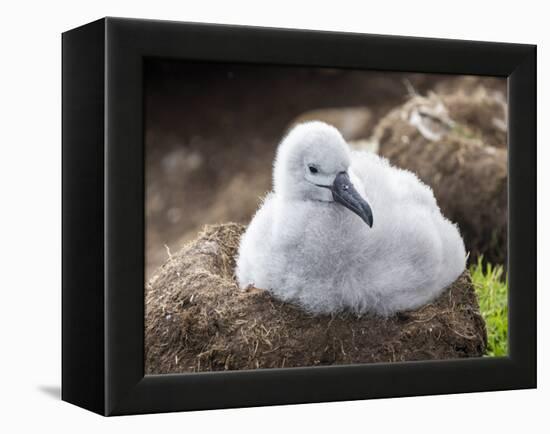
(313, 169)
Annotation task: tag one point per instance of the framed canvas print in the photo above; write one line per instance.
(257, 216)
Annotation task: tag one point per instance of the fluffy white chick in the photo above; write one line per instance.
(344, 230)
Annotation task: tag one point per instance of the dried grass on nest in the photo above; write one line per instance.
(198, 320)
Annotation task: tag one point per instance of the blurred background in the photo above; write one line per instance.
(212, 130)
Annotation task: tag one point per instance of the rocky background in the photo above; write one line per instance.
(212, 131)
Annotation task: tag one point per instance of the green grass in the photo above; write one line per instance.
(492, 293)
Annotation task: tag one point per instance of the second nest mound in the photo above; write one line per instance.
(197, 319)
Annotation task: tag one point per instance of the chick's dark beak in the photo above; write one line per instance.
(345, 194)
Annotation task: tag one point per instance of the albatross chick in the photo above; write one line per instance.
(344, 230)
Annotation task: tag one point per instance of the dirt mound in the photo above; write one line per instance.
(456, 143)
(198, 320)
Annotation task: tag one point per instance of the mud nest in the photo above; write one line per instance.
(456, 143)
(197, 319)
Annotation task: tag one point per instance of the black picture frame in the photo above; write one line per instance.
(103, 216)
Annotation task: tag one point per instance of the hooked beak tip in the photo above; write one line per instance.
(370, 221)
(365, 213)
